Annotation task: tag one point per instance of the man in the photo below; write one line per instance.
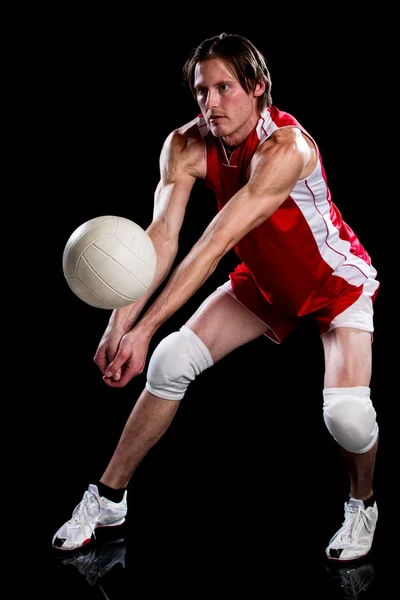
(298, 260)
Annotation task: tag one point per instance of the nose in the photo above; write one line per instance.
(212, 99)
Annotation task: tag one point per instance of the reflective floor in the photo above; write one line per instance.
(208, 548)
(113, 569)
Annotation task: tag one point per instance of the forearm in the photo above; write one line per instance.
(166, 250)
(186, 279)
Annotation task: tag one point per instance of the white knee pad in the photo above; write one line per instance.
(351, 418)
(176, 361)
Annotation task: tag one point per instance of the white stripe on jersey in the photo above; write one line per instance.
(310, 195)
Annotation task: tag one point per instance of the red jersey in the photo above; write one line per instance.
(304, 255)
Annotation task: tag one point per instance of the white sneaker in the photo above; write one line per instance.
(354, 538)
(92, 512)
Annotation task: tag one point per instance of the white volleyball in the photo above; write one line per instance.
(109, 262)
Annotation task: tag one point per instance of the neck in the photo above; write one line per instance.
(236, 138)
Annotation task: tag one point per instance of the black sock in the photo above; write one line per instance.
(370, 501)
(110, 493)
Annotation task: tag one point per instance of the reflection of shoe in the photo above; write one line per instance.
(99, 561)
(354, 538)
(92, 512)
(353, 580)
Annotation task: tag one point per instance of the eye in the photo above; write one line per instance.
(223, 87)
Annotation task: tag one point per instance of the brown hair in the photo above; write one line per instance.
(241, 56)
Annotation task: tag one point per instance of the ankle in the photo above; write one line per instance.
(115, 495)
(369, 500)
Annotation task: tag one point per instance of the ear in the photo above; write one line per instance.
(260, 88)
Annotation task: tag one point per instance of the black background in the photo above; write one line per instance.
(247, 456)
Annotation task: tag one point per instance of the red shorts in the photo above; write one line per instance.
(353, 309)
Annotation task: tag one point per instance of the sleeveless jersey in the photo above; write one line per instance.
(304, 255)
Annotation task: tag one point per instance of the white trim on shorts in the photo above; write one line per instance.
(360, 315)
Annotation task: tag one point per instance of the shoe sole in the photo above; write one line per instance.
(333, 560)
(86, 542)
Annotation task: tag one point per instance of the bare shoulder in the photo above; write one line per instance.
(288, 135)
(183, 151)
(292, 139)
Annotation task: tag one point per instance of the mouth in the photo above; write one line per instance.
(215, 118)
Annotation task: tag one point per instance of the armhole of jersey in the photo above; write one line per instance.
(310, 138)
(266, 126)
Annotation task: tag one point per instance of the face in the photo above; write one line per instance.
(230, 112)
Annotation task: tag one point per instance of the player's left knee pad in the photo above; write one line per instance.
(351, 418)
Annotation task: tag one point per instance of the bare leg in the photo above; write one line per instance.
(361, 470)
(348, 357)
(147, 423)
(151, 416)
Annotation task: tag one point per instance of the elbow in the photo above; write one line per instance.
(160, 229)
(163, 238)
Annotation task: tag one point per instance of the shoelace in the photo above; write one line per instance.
(352, 520)
(82, 511)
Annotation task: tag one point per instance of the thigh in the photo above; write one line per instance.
(223, 324)
(348, 357)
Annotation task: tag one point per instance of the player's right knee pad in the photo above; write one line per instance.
(351, 418)
(176, 361)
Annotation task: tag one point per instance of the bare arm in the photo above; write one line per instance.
(179, 160)
(276, 167)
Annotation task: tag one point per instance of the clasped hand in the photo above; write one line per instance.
(121, 355)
